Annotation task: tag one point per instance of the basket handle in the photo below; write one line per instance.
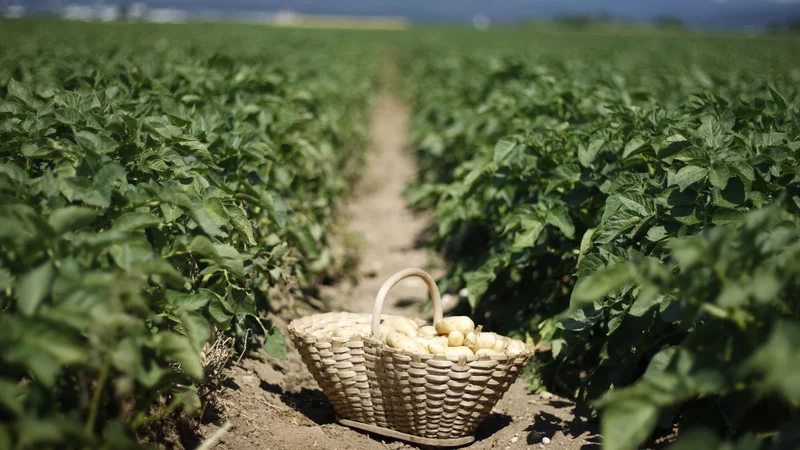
(389, 284)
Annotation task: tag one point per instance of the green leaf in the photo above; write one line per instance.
(71, 218)
(503, 148)
(637, 202)
(197, 328)
(20, 91)
(69, 116)
(586, 155)
(220, 313)
(649, 296)
(89, 141)
(275, 344)
(601, 283)
(776, 96)
(586, 244)
(126, 357)
(240, 223)
(32, 287)
(180, 349)
(687, 252)
(719, 175)
(765, 285)
(627, 423)
(180, 302)
(725, 216)
(696, 438)
(202, 217)
(559, 217)
(633, 147)
(11, 397)
(685, 177)
(477, 284)
(134, 221)
(216, 210)
(162, 268)
(527, 237)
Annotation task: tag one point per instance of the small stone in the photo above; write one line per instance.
(372, 270)
(545, 440)
(546, 395)
(534, 438)
(514, 439)
(464, 293)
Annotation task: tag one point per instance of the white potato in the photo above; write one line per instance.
(462, 324)
(455, 339)
(427, 330)
(403, 342)
(487, 351)
(486, 340)
(471, 341)
(500, 344)
(435, 347)
(458, 351)
(402, 325)
(515, 347)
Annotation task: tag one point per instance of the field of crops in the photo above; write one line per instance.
(630, 199)
(159, 185)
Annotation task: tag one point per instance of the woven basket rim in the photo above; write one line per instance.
(529, 351)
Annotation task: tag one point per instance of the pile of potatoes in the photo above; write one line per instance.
(452, 336)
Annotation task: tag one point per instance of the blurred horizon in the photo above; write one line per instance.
(693, 13)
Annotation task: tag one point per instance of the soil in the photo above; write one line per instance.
(277, 405)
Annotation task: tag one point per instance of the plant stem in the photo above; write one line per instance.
(97, 396)
(211, 441)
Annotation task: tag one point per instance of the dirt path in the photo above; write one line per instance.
(276, 405)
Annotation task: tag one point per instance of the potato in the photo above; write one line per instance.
(458, 351)
(403, 342)
(384, 331)
(471, 341)
(435, 347)
(423, 341)
(486, 340)
(427, 330)
(500, 344)
(515, 347)
(462, 324)
(402, 325)
(455, 339)
(488, 351)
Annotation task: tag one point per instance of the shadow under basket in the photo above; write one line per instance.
(421, 398)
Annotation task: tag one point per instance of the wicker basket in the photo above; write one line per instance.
(425, 399)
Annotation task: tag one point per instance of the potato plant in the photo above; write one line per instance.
(630, 200)
(156, 184)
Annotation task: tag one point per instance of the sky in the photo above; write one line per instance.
(701, 13)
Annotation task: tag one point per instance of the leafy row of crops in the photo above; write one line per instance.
(632, 201)
(158, 184)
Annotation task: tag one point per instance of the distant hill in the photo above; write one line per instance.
(701, 13)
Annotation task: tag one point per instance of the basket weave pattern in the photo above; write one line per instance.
(430, 396)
